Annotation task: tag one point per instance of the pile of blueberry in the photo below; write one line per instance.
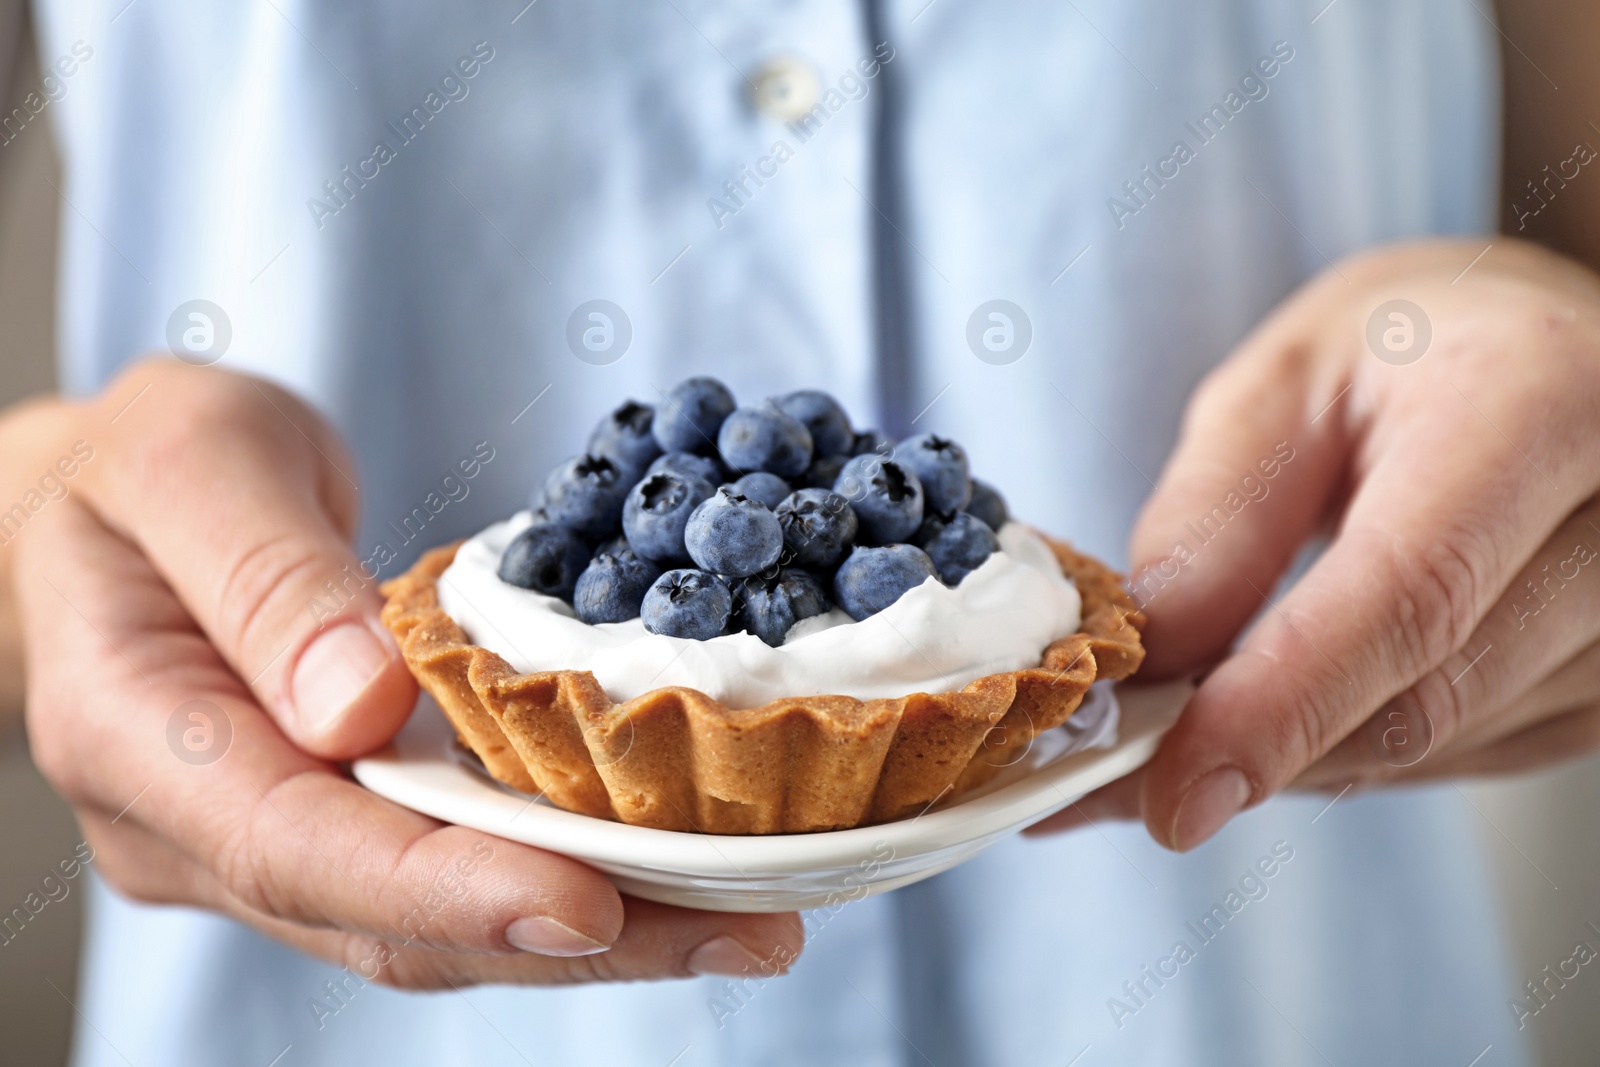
(704, 518)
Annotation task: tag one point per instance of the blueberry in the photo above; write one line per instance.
(824, 418)
(871, 441)
(870, 579)
(958, 545)
(656, 512)
(733, 535)
(546, 559)
(886, 496)
(769, 604)
(625, 436)
(765, 439)
(823, 472)
(941, 466)
(760, 485)
(540, 515)
(586, 494)
(690, 414)
(987, 504)
(688, 464)
(612, 545)
(687, 603)
(613, 586)
(818, 526)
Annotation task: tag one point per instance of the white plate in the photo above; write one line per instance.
(425, 770)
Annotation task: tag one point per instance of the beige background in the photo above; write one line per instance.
(1540, 831)
(36, 831)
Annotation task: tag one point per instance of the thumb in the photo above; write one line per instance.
(242, 499)
(1257, 463)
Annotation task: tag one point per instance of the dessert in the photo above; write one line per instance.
(758, 620)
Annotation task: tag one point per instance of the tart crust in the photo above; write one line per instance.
(675, 759)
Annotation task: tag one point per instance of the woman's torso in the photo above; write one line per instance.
(601, 152)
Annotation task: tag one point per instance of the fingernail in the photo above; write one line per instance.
(723, 956)
(334, 670)
(550, 937)
(1208, 804)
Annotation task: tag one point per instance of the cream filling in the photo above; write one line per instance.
(934, 639)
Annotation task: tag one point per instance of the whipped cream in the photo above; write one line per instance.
(934, 639)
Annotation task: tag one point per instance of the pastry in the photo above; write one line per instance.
(653, 642)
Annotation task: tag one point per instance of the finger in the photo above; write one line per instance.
(1116, 802)
(1249, 481)
(1574, 685)
(1425, 549)
(274, 826)
(244, 503)
(658, 941)
(1558, 739)
(1547, 616)
(139, 865)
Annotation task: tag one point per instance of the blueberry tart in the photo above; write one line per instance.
(756, 620)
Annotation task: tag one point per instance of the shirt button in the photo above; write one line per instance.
(785, 89)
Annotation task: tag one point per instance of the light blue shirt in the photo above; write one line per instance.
(403, 242)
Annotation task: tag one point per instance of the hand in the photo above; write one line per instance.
(180, 567)
(1451, 625)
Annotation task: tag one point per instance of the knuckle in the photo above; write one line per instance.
(607, 967)
(1263, 369)
(1437, 588)
(1466, 683)
(410, 969)
(247, 862)
(1213, 399)
(130, 872)
(1304, 725)
(409, 978)
(194, 404)
(1296, 739)
(394, 968)
(409, 897)
(158, 445)
(203, 407)
(1442, 705)
(131, 880)
(261, 585)
(56, 748)
(238, 864)
(375, 960)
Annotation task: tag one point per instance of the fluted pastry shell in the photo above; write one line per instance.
(676, 759)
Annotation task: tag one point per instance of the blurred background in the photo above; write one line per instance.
(1539, 830)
